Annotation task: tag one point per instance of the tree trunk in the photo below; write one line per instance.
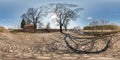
(61, 26)
(61, 29)
(35, 27)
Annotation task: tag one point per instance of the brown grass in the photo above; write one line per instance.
(2, 29)
(20, 43)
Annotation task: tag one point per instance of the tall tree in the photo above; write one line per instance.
(33, 16)
(94, 23)
(64, 13)
(23, 23)
(65, 25)
(103, 23)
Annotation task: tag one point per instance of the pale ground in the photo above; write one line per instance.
(36, 46)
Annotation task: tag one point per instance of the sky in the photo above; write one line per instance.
(11, 11)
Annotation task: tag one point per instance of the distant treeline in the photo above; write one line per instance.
(101, 27)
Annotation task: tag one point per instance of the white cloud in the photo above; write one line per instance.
(89, 18)
(54, 24)
(73, 24)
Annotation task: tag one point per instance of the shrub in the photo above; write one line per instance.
(101, 27)
(2, 29)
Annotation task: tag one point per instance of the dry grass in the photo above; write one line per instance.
(28, 42)
(2, 29)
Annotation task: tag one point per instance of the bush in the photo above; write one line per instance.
(2, 29)
(101, 27)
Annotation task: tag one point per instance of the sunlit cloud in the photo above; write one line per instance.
(89, 18)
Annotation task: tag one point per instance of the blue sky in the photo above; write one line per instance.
(11, 10)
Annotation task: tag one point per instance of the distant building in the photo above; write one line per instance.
(29, 28)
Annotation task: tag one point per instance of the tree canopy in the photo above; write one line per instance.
(64, 13)
(33, 16)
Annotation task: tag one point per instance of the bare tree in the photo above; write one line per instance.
(64, 13)
(99, 25)
(94, 24)
(103, 23)
(33, 16)
(66, 24)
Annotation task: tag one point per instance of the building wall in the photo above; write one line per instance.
(29, 28)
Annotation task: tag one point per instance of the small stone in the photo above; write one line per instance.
(66, 54)
(43, 57)
(11, 51)
(57, 56)
(27, 55)
(85, 55)
(69, 58)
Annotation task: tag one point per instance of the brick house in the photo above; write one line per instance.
(29, 28)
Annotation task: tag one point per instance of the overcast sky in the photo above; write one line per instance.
(11, 11)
